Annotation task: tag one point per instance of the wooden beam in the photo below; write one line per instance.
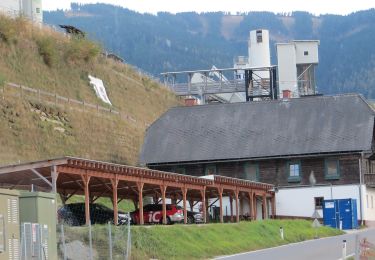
(203, 194)
(220, 191)
(163, 189)
(231, 207)
(264, 205)
(86, 180)
(251, 203)
(29, 166)
(140, 202)
(184, 193)
(236, 194)
(115, 205)
(54, 175)
(41, 176)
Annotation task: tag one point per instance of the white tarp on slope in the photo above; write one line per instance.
(99, 89)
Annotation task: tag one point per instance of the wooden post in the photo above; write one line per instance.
(184, 192)
(86, 180)
(231, 207)
(140, 201)
(273, 202)
(54, 176)
(251, 205)
(191, 204)
(264, 206)
(115, 200)
(255, 206)
(204, 210)
(163, 189)
(236, 193)
(220, 190)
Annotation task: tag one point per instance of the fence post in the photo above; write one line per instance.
(344, 249)
(110, 240)
(128, 244)
(63, 241)
(357, 250)
(90, 240)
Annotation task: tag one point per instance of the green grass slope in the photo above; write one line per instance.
(200, 241)
(41, 58)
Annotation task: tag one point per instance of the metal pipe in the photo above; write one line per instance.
(360, 188)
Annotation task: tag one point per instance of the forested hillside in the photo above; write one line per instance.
(165, 42)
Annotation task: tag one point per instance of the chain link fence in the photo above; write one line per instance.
(106, 241)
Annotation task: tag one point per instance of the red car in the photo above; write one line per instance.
(153, 213)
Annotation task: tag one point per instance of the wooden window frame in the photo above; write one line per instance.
(294, 178)
(256, 171)
(332, 177)
(210, 166)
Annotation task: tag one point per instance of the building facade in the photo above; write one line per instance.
(311, 149)
(31, 9)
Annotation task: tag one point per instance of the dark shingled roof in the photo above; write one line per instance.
(311, 125)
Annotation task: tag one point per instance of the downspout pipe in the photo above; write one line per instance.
(360, 187)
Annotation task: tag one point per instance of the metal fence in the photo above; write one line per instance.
(38, 95)
(94, 242)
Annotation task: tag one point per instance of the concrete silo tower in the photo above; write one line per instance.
(259, 49)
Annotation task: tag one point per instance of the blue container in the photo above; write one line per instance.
(340, 213)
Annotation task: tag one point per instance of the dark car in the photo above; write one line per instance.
(194, 217)
(74, 214)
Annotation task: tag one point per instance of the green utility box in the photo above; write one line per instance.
(9, 225)
(38, 215)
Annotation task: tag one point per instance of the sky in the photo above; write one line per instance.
(316, 7)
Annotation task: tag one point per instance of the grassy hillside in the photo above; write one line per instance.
(199, 241)
(43, 59)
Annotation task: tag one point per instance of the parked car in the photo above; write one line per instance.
(153, 213)
(194, 217)
(74, 214)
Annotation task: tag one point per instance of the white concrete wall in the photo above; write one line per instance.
(10, 7)
(369, 204)
(287, 68)
(299, 202)
(259, 53)
(311, 47)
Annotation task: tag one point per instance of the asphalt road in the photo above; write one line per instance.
(322, 249)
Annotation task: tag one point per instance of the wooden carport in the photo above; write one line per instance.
(70, 176)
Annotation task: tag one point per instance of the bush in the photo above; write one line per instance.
(80, 49)
(2, 80)
(47, 49)
(8, 30)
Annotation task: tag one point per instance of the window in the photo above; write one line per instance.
(259, 36)
(306, 53)
(210, 170)
(180, 170)
(294, 171)
(319, 202)
(37, 10)
(332, 169)
(251, 172)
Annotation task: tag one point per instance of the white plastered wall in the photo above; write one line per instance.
(299, 202)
